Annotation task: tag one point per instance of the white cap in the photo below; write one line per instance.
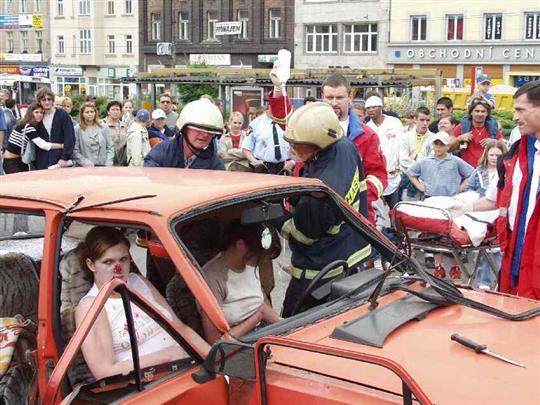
(374, 101)
(158, 113)
(441, 136)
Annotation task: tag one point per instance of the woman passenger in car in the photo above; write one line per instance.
(234, 279)
(107, 349)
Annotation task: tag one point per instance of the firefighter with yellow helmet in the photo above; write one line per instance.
(315, 229)
(194, 147)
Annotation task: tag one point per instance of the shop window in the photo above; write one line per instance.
(274, 23)
(321, 38)
(85, 41)
(129, 43)
(84, 7)
(60, 44)
(454, 24)
(128, 7)
(418, 27)
(155, 20)
(532, 25)
(493, 26)
(360, 38)
(183, 25)
(111, 45)
(110, 7)
(212, 18)
(243, 17)
(59, 8)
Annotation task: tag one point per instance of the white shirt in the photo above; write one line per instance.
(390, 134)
(491, 192)
(514, 135)
(48, 120)
(261, 141)
(345, 125)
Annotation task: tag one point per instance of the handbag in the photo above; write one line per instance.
(28, 155)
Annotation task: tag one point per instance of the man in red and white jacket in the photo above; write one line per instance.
(517, 196)
(337, 93)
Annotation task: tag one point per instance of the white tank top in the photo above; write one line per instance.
(150, 336)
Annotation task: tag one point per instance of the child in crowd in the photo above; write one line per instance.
(230, 149)
(440, 174)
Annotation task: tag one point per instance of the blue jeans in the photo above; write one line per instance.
(484, 275)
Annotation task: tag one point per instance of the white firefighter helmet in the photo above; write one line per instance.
(202, 114)
(314, 124)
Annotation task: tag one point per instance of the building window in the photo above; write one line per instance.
(23, 6)
(212, 20)
(85, 41)
(24, 41)
(129, 43)
(454, 27)
(155, 19)
(321, 39)
(60, 8)
(110, 44)
(9, 41)
(243, 17)
(8, 5)
(110, 7)
(183, 25)
(493, 26)
(84, 7)
(418, 27)
(360, 38)
(60, 45)
(274, 23)
(39, 41)
(532, 25)
(128, 7)
(38, 5)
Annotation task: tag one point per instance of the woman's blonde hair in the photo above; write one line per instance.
(484, 158)
(82, 123)
(67, 100)
(236, 114)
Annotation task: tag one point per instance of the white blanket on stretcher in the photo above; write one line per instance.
(475, 229)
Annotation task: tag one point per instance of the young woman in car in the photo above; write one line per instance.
(25, 131)
(107, 348)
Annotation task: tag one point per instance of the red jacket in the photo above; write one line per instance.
(529, 273)
(366, 142)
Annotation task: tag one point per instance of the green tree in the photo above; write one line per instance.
(191, 92)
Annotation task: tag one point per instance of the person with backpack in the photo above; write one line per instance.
(477, 131)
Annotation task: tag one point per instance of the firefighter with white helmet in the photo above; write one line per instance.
(199, 122)
(315, 229)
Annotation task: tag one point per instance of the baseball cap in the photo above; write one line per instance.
(374, 101)
(158, 113)
(483, 79)
(441, 136)
(143, 115)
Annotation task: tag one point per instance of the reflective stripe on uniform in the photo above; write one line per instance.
(289, 229)
(357, 186)
(377, 183)
(353, 259)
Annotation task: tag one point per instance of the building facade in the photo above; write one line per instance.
(190, 27)
(93, 45)
(24, 45)
(500, 37)
(349, 33)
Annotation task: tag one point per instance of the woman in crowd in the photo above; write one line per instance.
(118, 131)
(127, 110)
(107, 349)
(229, 145)
(25, 131)
(479, 181)
(93, 143)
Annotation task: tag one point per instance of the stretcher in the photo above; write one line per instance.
(421, 226)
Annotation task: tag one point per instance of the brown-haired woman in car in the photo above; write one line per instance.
(107, 348)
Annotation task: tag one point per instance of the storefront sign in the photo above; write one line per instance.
(68, 71)
(14, 21)
(35, 71)
(25, 21)
(12, 70)
(37, 21)
(228, 28)
(266, 58)
(111, 73)
(210, 59)
(9, 22)
(20, 57)
(465, 54)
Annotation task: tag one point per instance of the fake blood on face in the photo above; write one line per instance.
(117, 270)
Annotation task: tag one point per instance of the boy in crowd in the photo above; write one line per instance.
(441, 174)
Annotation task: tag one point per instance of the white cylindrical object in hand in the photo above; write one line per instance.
(283, 66)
